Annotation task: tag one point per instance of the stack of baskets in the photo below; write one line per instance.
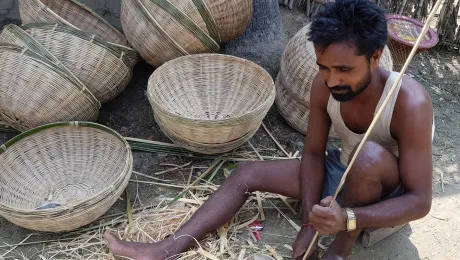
(62, 176)
(293, 84)
(73, 71)
(162, 30)
(210, 103)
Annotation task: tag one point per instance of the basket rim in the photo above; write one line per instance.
(53, 66)
(262, 106)
(114, 49)
(125, 173)
(433, 37)
(87, 9)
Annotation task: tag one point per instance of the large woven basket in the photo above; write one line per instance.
(104, 70)
(36, 91)
(71, 13)
(293, 109)
(210, 103)
(162, 30)
(62, 176)
(297, 70)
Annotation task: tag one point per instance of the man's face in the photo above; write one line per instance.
(344, 73)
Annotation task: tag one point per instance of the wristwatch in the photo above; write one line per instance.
(351, 220)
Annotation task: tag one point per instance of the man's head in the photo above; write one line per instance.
(349, 37)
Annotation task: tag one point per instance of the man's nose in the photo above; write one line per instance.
(333, 80)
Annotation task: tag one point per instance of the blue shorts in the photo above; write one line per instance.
(334, 172)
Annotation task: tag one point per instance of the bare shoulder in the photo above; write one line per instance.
(319, 92)
(413, 97)
(413, 108)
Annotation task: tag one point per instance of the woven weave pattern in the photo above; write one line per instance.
(71, 13)
(294, 81)
(62, 176)
(105, 72)
(162, 30)
(211, 101)
(35, 91)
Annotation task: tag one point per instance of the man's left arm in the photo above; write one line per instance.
(414, 120)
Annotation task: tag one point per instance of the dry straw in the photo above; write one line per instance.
(61, 176)
(210, 100)
(104, 70)
(71, 13)
(55, 96)
(153, 224)
(297, 71)
(162, 30)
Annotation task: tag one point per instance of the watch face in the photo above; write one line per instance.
(352, 225)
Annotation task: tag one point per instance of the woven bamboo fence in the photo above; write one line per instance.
(447, 25)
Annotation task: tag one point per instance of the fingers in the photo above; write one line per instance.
(326, 201)
(322, 212)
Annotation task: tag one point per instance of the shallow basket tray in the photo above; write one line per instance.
(62, 176)
(210, 98)
(105, 71)
(71, 13)
(55, 96)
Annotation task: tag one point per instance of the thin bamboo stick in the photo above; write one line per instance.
(379, 113)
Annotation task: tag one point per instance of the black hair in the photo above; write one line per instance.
(361, 22)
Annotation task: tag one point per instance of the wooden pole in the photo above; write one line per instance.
(379, 113)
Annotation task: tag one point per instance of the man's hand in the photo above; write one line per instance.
(328, 220)
(302, 242)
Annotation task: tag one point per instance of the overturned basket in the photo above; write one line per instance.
(71, 13)
(298, 68)
(62, 176)
(105, 71)
(210, 103)
(37, 91)
(402, 34)
(162, 30)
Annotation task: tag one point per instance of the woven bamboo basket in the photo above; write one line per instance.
(297, 70)
(162, 30)
(104, 70)
(403, 33)
(71, 13)
(62, 176)
(210, 101)
(55, 95)
(293, 109)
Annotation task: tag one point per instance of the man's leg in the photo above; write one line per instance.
(374, 175)
(281, 177)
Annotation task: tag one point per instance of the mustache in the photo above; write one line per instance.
(340, 88)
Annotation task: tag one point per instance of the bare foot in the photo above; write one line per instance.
(341, 248)
(136, 251)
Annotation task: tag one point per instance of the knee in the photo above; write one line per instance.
(245, 173)
(372, 161)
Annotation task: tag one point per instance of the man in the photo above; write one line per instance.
(390, 181)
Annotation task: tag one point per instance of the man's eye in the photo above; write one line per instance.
(343, 69)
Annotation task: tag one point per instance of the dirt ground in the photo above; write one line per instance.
(437, 236)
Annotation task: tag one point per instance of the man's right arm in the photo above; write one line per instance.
(312, 169)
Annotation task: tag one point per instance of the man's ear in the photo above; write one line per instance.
(375, 59)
